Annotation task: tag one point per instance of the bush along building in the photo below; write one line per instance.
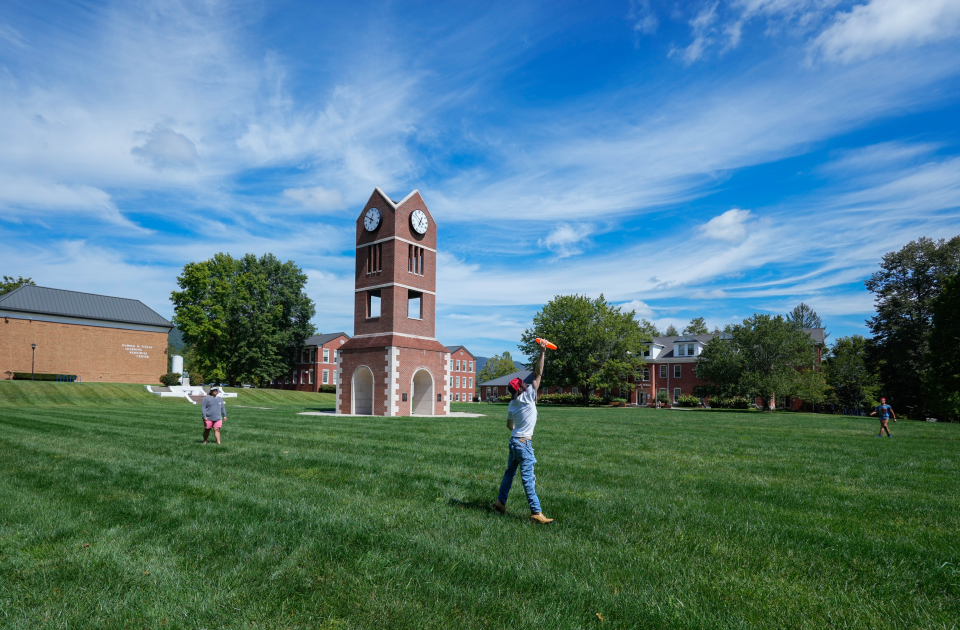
(94, 338)
(394, 365)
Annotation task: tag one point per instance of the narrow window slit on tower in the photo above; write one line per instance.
(415, 259)
(375, 258)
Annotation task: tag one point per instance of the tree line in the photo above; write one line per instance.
(912, 357)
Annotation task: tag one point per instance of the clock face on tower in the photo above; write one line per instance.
(371, 219)
(418, 219)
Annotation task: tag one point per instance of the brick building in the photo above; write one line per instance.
(463, 374)
(98, 338)
(393, 365)
(672, 367)
(317, 364)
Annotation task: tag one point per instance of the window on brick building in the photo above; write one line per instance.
(326, 355)
(458, 366)
(676, 394)
(458, 381)
(575, 390)
(663, 372)
(471, 381)
(415, 260)
(310, 377)
(471, 367)
(458, 397)
(373, 303)
(646, 351)
(374, 258)
(451, 381)
(645, 375)
(676, 371)
(414, 304)
(326, 377)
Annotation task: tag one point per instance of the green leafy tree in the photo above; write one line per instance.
(804, 317)
(10, 283)
(721, 367)
(598, 345)
(649, 330)
(942, 380)
(908, 283)
(671, 331)
(245, 319)
(496, 366)
(697, 326)
(766, 356)
(847, 371)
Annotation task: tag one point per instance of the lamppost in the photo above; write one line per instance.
(33, 361)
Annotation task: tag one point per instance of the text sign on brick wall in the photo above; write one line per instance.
(141, 352)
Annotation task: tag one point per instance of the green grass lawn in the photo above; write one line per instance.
(113, 515)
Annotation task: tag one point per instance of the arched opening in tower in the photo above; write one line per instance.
(422, 393)
(362, 388)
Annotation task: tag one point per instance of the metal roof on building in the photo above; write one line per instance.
(452, 349)
(503, 381)
(319, 340)
(47, 301)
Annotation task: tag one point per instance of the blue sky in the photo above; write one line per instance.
(689, 159)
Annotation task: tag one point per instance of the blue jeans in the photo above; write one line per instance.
(521, 456)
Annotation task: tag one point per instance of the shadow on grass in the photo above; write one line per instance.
(483, 505)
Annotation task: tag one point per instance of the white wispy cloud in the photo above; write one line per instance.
(165, 148)
(882, 25)
(316, 197)
(567, 239)
(730, 226)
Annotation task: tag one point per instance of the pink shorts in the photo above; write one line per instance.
(210, 424)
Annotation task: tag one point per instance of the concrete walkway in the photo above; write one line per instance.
(452, 414)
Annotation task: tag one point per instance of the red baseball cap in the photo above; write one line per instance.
(517, 384)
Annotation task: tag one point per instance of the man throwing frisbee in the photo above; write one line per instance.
(521, 420)
(885, 412)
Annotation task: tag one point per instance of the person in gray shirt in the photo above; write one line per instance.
(214, 413)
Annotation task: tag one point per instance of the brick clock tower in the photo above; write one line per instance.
(394, 365)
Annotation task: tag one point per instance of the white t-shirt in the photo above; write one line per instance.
(523, 412)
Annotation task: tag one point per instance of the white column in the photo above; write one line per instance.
(393, 381)
(339, 380)
(446, 382)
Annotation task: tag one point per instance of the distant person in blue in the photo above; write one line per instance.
(521, 420)
(885, 411)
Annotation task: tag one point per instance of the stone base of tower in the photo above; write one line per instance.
(392, 375)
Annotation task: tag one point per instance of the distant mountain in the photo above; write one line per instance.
(175, 339)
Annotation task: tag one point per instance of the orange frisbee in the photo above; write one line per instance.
(546, 344)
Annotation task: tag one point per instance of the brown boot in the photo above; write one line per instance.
(499, 507)
(540, 518)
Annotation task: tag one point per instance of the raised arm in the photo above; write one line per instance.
(538, 371)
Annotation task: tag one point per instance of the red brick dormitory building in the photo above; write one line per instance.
(463, 374)
(316, 364)
(98, 338)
